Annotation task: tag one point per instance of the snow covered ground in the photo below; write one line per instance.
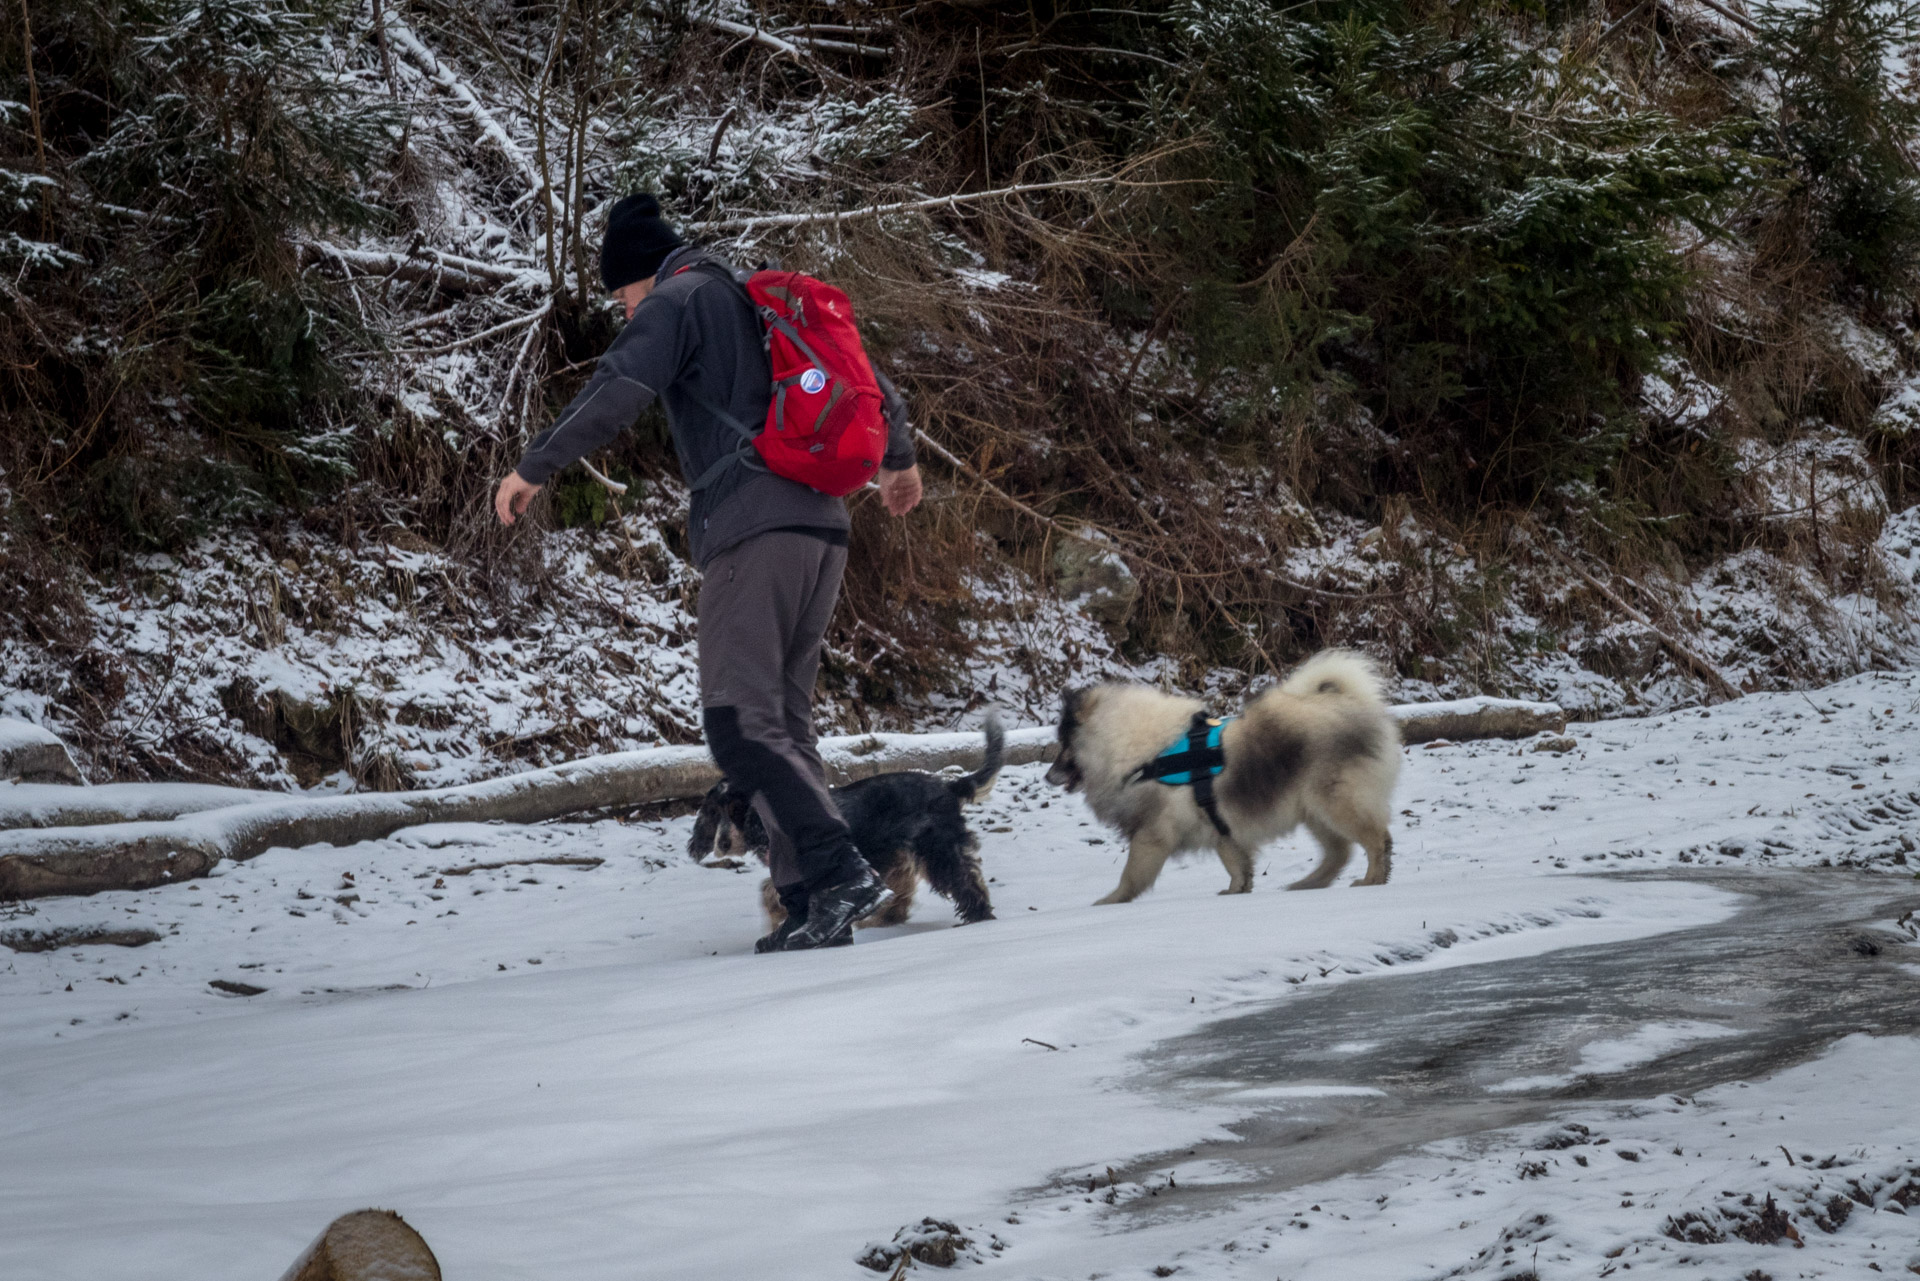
(577, 1069)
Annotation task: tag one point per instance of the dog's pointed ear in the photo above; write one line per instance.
(1075, 706)
(706, 823)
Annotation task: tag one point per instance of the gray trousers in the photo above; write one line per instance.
(764, 608)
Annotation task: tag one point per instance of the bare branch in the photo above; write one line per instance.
(755, 222)
(1699, 664)
(505, 326)
(613, 486)
(490, 127)
(782, 48)
(447, 271)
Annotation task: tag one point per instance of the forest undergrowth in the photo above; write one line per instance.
(1556, 349)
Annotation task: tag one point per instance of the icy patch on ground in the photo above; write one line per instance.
(1599, 1058)
(1807, 1174)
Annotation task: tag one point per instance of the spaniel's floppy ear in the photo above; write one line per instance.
(706, 823)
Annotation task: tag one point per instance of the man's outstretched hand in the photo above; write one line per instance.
(511, 499)
(899, 491)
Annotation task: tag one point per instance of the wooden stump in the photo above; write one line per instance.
(367, 1245)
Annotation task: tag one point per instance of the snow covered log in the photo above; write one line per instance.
(54, 805)
(864, 755)
(367, 1245)
(1468, 718)
(34, 754)
(87, 859)
(35, 862)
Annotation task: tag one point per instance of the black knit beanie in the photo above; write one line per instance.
(637, 241)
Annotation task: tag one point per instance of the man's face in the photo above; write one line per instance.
(629, 296)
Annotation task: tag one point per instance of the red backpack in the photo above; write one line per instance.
(824, 427)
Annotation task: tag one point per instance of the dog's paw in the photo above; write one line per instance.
(1368, 880)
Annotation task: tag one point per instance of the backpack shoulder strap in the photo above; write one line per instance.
(744, 455)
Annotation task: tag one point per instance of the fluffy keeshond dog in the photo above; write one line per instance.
(1319, 749)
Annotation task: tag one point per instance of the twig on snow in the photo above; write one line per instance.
(1736, 19)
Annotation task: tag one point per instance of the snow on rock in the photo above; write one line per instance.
(1679, 396)
(37, 755)
(1899, 412)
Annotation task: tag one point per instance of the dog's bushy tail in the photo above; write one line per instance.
(1340, 673)
(977, 784)
(706, 823)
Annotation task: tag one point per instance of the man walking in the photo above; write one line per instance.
(771, 551)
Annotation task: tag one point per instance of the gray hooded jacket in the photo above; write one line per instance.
(695, 341)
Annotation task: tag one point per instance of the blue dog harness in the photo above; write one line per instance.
(1193, 762)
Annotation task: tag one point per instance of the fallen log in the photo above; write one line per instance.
(55, 805)
(36, 862)
(446, 271)
(85, 860)
(1469, 718)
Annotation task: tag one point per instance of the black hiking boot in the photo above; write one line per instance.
(777, 941)
(832, 910)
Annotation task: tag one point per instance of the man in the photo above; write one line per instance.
(771, 552)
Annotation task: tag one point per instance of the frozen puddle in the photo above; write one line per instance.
(1604, 1057)
(1435, 1053)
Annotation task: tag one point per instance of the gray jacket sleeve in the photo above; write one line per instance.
(901, 453)
(648, 354)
